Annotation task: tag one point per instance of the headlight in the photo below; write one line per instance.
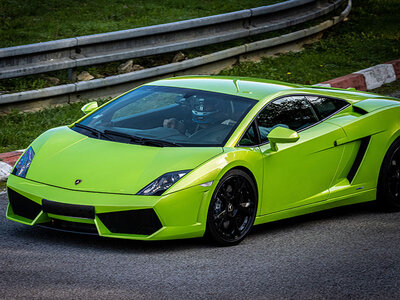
(23, 164)
(162, 183)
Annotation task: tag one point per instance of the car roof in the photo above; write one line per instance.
(252, 88)
(259, 89)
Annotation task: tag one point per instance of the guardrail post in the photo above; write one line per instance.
(70, 74)
(246, 23)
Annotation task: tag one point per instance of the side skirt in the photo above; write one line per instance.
(359, 197)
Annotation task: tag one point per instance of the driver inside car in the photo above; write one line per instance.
(205, 114)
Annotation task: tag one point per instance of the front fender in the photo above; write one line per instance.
(213, 169)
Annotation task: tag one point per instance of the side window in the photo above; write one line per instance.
(293, 112)
(250, 137)
(326, 106)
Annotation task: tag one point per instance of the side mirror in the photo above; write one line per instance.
(89, 107)
(281, 135)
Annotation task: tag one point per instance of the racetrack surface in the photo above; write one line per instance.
(350, 252)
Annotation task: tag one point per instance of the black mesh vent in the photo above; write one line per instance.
(71, 226)
(141, 221)
(360, 155)
(23, 206)
(71, 210)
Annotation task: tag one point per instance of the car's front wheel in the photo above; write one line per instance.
(388, 194)
(232, 208)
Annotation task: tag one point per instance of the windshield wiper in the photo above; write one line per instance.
(141, 140)
(132, 138)
(98, 133)
(160, 143)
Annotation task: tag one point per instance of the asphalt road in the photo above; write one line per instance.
(351, 252)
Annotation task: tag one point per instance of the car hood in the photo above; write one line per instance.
(63, 156)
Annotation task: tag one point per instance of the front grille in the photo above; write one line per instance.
(70, 210)
(140, 221)
(23, 206)
(70, 226)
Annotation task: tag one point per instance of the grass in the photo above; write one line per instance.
(25, 22)
(370, 36)
(390, 89)
(18, 130)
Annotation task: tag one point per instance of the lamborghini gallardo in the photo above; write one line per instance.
(209, 156)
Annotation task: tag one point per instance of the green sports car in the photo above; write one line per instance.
(192, 156)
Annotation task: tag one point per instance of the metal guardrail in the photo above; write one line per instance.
(101, 87)
(113, 46)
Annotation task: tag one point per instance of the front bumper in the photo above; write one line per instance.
(182, 214)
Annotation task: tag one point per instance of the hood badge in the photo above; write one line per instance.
(78, 181)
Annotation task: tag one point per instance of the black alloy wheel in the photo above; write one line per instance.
(232, 209)
(388, 194)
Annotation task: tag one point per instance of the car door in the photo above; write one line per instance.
(302, 172)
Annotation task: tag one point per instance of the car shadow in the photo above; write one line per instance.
(45, 236)
(79, 240)
(367, 208)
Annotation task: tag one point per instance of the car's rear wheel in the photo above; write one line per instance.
(388, 194)
(232, 208)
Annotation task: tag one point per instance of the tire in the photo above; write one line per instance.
(232, 209)
(388, 192)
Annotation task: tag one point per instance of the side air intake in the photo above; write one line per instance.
(360, 155)
(140, 221)
(23, 206)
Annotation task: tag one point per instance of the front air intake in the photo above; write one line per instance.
(23, 206)
(70, 210)
(140, 221)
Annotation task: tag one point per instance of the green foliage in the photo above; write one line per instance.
(32, 82)
(391, 89)
(23, 84)
(371, 36)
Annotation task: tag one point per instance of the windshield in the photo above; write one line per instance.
(168, 116)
